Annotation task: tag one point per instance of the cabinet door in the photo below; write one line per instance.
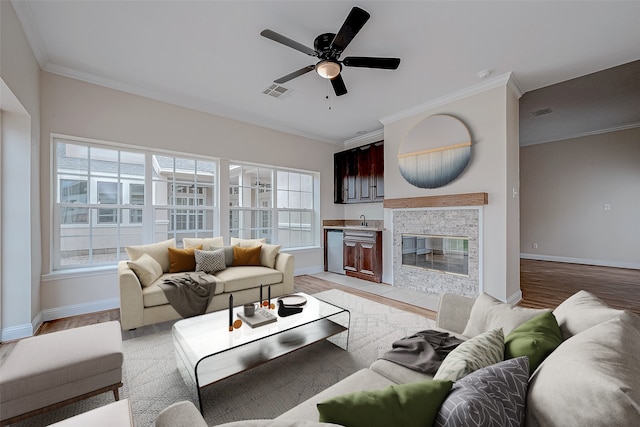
(350, 256)
(364, 174)
(377, 171)
(367, 258)
(351, 191)
(339, 177)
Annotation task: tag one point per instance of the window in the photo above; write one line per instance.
(295, 208)
(184, 197)
(251, 202)
(111, 196)
(101, 206)
(286, 216)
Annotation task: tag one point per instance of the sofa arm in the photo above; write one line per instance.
(454, 312)
(285, 265)
(180, 414)
(131, 303)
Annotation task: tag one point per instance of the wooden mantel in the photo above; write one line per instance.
(469, 199)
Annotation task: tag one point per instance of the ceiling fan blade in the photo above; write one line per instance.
(338, 85)
(352, 25)
(295, 74)
(371, 62)
(288, 42)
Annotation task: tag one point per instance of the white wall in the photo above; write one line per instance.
(565, 185)
(491, 117)
(77, 108)
(20, 237)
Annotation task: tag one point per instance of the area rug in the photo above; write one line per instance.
(152, 381)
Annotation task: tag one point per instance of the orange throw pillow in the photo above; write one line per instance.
(246, 256)
(182, 259)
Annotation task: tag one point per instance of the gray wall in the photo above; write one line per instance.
(564, 188)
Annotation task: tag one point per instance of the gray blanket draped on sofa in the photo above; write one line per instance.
(190, 293)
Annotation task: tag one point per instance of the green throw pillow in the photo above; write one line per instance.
(406, 405)
(535, 338)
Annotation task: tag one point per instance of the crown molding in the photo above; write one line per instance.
(374, 136)
(502, 80)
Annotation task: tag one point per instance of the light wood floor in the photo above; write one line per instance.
(544, 284)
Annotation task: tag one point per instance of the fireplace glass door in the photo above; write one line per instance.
(447, 254)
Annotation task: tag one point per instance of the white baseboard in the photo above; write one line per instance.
(78, 309)
(17, 332)
(585, 261)
(309, 270)
(515, 298)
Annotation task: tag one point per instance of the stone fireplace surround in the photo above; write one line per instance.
(454, 215)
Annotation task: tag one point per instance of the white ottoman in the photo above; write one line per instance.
(48, 371)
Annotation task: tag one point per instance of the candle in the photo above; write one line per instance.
(269, 296)
(230, 312)
(260, 296)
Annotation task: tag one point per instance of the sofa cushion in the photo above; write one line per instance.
(210, 261)
(535, 338)
(146, 268)
(407, 405)
(482, 350)
(157, 251)
(182, 259)
(207, 243)
(246, 243)
(594, 375)
(398, 373)
(154, 295)
(581, 311)
(489, 313)
(491, 396)
(239, 278)
(364, 379)
(246, 256)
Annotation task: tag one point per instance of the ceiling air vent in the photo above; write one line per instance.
(278, 91)
(542, 112)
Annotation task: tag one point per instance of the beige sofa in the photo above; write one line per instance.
(146, 305)
(591, 378)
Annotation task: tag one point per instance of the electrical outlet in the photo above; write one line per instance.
(534, 245)
(607, 206)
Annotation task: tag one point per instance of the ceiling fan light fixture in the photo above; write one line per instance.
(328, 69)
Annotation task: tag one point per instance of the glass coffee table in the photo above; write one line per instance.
(206, 352)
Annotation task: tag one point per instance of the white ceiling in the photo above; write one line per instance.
(208, 55)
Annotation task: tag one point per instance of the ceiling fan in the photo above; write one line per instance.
(328, 47)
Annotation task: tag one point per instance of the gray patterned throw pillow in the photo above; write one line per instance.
(210, 261)
(488, 397)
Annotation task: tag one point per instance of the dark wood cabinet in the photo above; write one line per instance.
(359, 174)
(363, 254)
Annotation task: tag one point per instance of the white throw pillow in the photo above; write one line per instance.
(591, 379)
(489, 313)
(208, 243)
(478, 352)
(581, 311)
(146, 268)
(247, 243)
(158, 251)
(268, 255)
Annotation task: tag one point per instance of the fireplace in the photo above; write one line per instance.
(437, 250)
(446, 254)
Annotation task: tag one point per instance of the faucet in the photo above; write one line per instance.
(363, 223)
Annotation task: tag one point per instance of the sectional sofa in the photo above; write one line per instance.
(574, 366)
(143, 302)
